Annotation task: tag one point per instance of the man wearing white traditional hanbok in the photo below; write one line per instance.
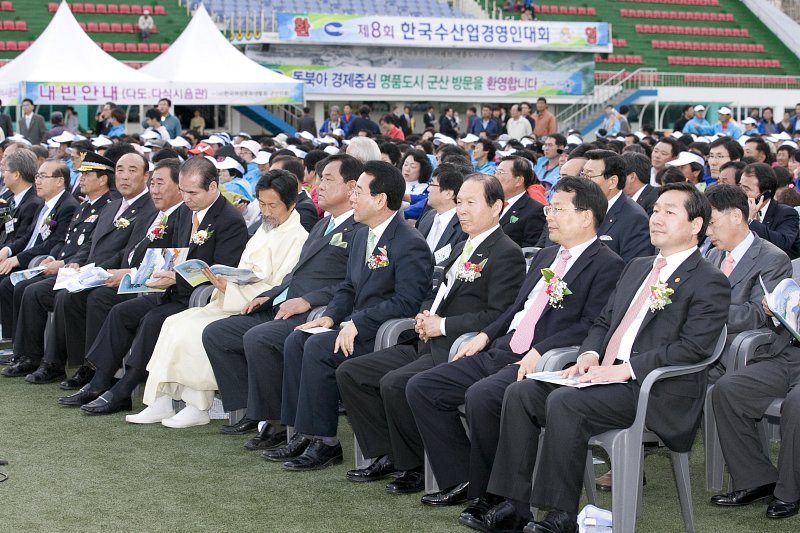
(179, 368)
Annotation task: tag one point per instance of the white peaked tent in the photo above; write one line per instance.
(65, 66)
(202, 66)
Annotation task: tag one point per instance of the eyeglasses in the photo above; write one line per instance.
(433, 185)
(356, 193)
(40, 176)
(549, 210)
(585, 175)
(718, 156)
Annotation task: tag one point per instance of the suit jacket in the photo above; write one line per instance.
(452, 235)
(591, 279)
(684, 332)
(626, 229)
(24, 217)
(322, 265)
(37, 130)
(107, 240)
(307, 211)
(446, 127)
(371, 296)
(139, 242)
(470, 306)
(648, 198)
(780, 227)
(224, 246)
(61, 213)
(430, 120)
(524, 221)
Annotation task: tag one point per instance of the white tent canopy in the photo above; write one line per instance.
(202, 59)
(64, 65)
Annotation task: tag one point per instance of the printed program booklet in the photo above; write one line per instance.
(192, 272)
(784, 302)
(155, 260)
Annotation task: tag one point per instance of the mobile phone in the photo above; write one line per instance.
(759, 199)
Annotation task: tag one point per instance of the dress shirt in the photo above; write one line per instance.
(612, 201)
(48, 206)
(380, 228)
(132, 200)
(19, 197)
(202, 213)
(511, 202)
(575, 252)
(635, 196)
(337, 221)
(742, 248)
(443, 220)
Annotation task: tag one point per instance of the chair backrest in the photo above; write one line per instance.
(796, 269)
(438, 277)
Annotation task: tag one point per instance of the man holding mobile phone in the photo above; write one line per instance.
(770, 220)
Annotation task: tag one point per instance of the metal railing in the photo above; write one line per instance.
(653, 78)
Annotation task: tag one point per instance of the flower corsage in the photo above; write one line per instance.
(469, 272)
(379, 260)
(122, 223)
(556, 288)
(201, 237)
(659, 296)
(158, 232)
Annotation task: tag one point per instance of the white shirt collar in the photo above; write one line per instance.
(478, 239)
(132, 200)
(576, 251)
(341, 218)
(19, 197)
(510, 203)
(674, 261)
(613, 201)
(53, 201)
(169, 211)
(742, 248)
(201, 214)
(380, 228)
(763, 210)
(447, 216)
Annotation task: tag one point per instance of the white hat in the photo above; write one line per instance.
(470, 138)
(699, 108)
(441, 138)
(749, 120)
(676, 134)
(685, 158)
(724, 111)
(102, 140)
(180, 142)
(305, 135)
(298, 152)
(339, 132)
(225, 163)
(332, 150)
(53, 143)
(781, 136)
(575, 139)
(214, 139)
(65, 137)
(245, 135)
(506, 154)
(262, 157)
(525, 141)
(328, 140)
(150, 166)
(20, 139)
(150, 134)
(639, 134)
(789, 143)
(252, 146)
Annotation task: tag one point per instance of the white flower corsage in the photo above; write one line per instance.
(202, 236)
(122, 223)
(379, 260)
(659, 296)
(469, 272)
(556, 288)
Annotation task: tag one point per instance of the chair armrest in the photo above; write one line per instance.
(316, 312)
(746, 343)
(36, 261)
(390, 331)
(456, 346)
(201, 296)
(557, 359)
(438, 277)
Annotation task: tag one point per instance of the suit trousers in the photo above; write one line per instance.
(84, 313)
(740, 400)
(571, 416)
(310, 399)
(39, 299)
(436, 395)
(132, 325)
(10, 302)
(373, 389)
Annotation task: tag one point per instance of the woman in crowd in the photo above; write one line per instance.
(179, 368)
(417, 171)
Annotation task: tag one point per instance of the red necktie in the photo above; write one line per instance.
(195, 222)
(523, 337)
(727, 266)
(612, 350)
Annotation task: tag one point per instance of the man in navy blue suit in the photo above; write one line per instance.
(389, 273)
(625, 226)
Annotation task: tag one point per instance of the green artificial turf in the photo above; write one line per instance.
(70, 472)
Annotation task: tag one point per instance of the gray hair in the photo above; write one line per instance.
(25, 162)
(364, 149)
(334, 108)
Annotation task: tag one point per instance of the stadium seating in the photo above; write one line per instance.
(6, 6)
(566, 10)
(692, 30)
(681, 15)
(614, 58)
(619, 43)
(705, 46)
(724, 62)
(114, 9)
(705, 3)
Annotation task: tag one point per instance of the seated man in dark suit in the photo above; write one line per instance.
(440, 225)
(744, 258)
(19, 211)
(388, 275)
(639, 330)
(637, 183)
(625, 226)
(373, 386)
(771, 220)
(84, 312)
(740, 399)
(305, 205)
(523, 217)
(135, 324)
(511, 345)
(246, 352)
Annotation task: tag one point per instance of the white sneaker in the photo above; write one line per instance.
(187, 417)
(161, 409)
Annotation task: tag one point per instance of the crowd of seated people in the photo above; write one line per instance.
(639, 248)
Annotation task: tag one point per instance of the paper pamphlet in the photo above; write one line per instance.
(555, 377)
(155, 260)
(192, 272)
(22, 275)
(784, 302)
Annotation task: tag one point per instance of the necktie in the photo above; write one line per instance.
(727, 266)
(13, 204)
(433, 234)
(466, 253)
(612, 350)
(331, 225)
(372, 240)
(122, 208)
(523, 336)
(195, 222)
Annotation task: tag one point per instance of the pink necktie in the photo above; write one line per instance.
(612, 350)
(727, 266)
(523, 337)
(122, 208)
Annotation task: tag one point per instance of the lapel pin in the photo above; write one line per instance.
(677, 280)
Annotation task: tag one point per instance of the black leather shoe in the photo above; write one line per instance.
(317, 456)
(743, 497)
(107, 404)
(781, 509)
(22, 367)
(379, 469)
(474, 515)
(555, 522)
(85, 395)
(408, 482)
(503, 518)
(267, 439)
(451, 496)
(245, 425)
(82, 377)
(46, 373)
(294, 448)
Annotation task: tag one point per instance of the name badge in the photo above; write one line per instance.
(606, 238)
(10, 225)
(91, 219)
(441, 254)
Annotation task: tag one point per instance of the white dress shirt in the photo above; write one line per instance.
(440, 223)
(510, 203)
(48, 206)
(741, 249)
